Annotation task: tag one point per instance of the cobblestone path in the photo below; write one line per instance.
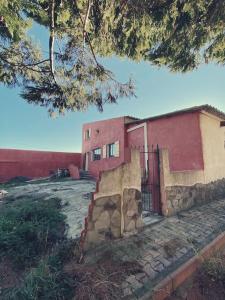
(162, 247)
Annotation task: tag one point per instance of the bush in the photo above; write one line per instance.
(28, 229)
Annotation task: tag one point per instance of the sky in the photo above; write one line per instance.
(25, 126)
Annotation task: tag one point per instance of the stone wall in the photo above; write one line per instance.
(116, 206)
(183, 197)
(182, 190)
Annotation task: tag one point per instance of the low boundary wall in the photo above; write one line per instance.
(184, 189)
(34, 164)
(116, 206)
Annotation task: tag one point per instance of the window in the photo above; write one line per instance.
(96, 154)
(87, 134)
(111, 150)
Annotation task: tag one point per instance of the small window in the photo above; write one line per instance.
(87, 134)
(97, 154)
(112, 150)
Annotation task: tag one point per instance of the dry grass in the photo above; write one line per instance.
(102, 280)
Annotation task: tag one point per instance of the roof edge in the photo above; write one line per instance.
(206, 107)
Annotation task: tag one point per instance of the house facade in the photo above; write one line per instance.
(191, 143)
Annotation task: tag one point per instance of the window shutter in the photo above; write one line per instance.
(92, 155)
(90, 133)
(117, 149)
(104, 151)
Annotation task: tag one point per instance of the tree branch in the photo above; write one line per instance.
(52, 38)
(86, 20)
(27, 66)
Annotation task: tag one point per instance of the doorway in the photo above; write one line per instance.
(86, 160)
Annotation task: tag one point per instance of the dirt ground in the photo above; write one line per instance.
(204, 285)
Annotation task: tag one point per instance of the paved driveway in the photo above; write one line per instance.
(161, 248)
(74, 193)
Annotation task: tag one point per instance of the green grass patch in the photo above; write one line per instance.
(29, 229)
(42, 283)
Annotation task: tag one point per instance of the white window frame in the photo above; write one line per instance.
(116, 149)
(94, 155)
(87, 134)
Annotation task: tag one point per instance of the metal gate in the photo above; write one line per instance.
(150, 179)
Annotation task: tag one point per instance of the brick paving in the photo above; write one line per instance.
(162, 247)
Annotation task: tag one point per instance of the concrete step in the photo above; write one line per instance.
(85, 175)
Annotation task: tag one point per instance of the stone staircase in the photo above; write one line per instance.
(85, 175)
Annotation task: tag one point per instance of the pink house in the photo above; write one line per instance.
(191, 141)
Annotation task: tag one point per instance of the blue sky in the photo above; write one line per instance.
(25, 126)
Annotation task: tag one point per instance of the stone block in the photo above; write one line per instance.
(132, 213)
(103, 222)
(116, 219)
(101, 201)
(97, 210)
(116, 232)
(110, 205)
(130, 226)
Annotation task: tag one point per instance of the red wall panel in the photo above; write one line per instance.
(34, 164)
(181, 135)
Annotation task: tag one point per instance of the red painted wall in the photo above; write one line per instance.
(34, 164)
(103, 133)
(180, 134)
(135, 139)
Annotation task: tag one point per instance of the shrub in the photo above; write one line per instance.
(30, 228)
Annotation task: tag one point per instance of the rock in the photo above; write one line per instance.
(131, 213)
(116, 219)
(110, 205)
(130, 226)
(116, 232)
(97, 210)
(103, 222)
